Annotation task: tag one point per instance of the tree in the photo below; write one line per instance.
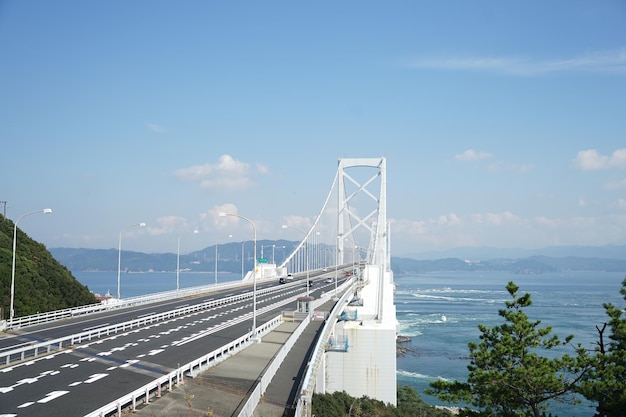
(507, 375)
(41, 283)
(340, 404)
(606, 381)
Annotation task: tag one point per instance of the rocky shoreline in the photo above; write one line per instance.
(401, 349)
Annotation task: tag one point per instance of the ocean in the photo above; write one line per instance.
(441, 313)
(142, 283)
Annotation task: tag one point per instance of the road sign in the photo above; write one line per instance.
(262, 260)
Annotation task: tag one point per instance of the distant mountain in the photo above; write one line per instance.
(486, 253)
(230, 255)
(526, 266)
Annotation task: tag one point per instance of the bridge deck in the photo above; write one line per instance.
(225, 387)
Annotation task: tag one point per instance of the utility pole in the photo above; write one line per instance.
(4, 211)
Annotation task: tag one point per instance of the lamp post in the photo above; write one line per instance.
(216, 263)
(44, 211)
(306, 254)
(119, 255)
(178, 260)
(222, 214)
(268, 246)
(242, 258)
(274, 250)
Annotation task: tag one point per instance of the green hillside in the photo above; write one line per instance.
(41, 283)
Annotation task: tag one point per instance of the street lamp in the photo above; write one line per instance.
(178, 260)
(242, 258)
(222, 214)
(306, 254)
(274, 250)
(268, 246)
(44, 211)
(119, 256)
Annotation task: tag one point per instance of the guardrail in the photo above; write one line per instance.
(46, 347)
(255, 397)
(154, 388)
(303, 408)
(25, 321)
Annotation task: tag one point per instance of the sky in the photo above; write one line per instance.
(503, 124)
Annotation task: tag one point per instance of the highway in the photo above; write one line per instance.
(81, 379)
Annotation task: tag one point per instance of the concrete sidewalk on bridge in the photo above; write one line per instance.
(224, 389)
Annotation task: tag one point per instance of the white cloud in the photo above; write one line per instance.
(448, 219)
(214, 214)
(590, 160)
(621, 203)
(501, 218)
(600, 62)
(508, 229)
(297, 222)
(227, 174)
(472, 155)
(495, 166)
(155, 127)
(616, 184)
(167, 224)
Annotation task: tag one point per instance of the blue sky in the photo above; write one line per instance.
(503, 123)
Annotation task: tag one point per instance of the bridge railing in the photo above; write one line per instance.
(47, 317)
(303, 408)
(154, 388)
(46, 347)
(270, 371)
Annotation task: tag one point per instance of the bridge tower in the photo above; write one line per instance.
(366, 363)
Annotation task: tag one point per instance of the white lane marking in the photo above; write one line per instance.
(95, 377)
(51, 396)
(28, 404)
(129, 363)
(26, 381)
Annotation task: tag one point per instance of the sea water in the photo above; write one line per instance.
(441, 313)
(143, 283)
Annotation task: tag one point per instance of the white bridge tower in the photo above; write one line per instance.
(365, 364)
